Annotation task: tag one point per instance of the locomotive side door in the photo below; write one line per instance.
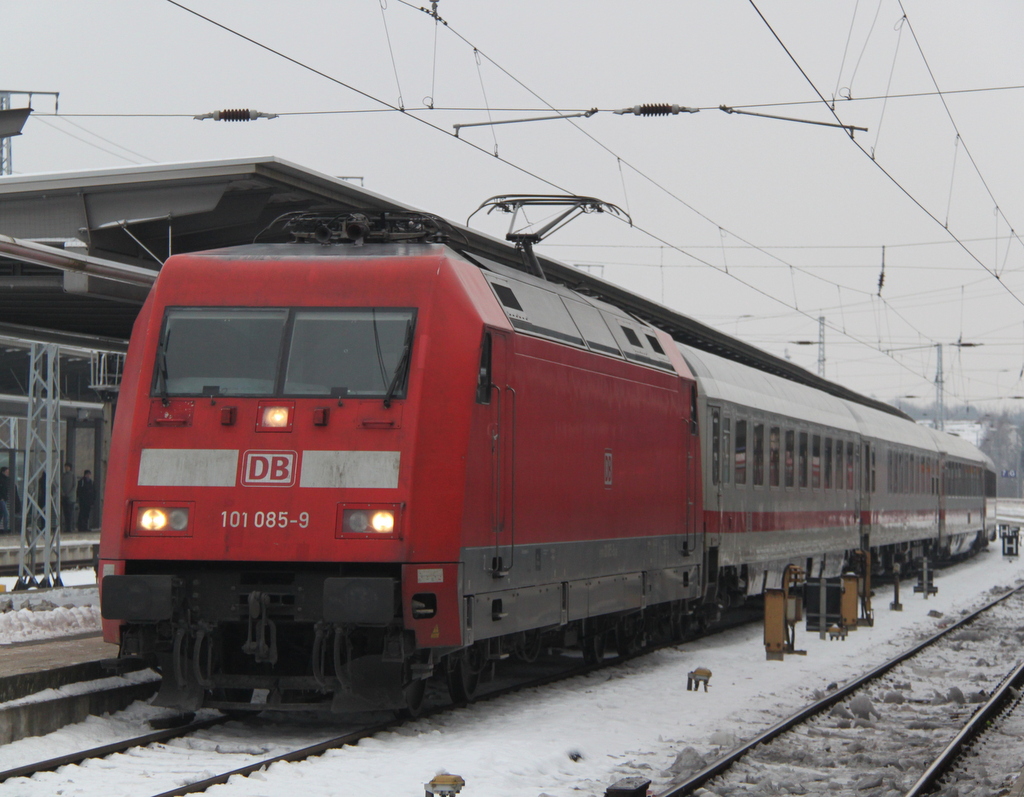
(501, 431)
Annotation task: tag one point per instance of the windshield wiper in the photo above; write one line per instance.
(163, 367)
(401, 369)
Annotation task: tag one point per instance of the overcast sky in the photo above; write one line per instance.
(755, 226)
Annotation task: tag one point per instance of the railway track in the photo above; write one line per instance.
(877, 732)
(970, 756)
(236, 740)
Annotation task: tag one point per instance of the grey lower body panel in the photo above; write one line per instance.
(740, 548)
(550, 585)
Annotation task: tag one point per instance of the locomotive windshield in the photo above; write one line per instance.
(284, 352)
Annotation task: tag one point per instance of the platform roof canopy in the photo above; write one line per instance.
(137, 216)
(116, 226)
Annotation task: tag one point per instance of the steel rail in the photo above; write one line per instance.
(321, 747)
(109, 749)
(716, 768)
(356, 736)
(943, 762)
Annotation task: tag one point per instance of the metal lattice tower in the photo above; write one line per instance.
(940, 410)
(40, 498)
(9, 433)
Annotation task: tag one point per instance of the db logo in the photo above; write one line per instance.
(269, 468)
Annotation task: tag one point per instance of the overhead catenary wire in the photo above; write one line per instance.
(90, 143)
(528, 172)
(870, 155)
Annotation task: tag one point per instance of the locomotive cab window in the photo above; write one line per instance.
(219, 351)
(234, 351)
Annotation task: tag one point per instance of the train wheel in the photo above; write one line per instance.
(593, 646)
(463, 673)
(413, 693)
(528, 646)
(629, 635)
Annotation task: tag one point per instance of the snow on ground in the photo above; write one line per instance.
(633, 719)
(575, 738)
(35, 614)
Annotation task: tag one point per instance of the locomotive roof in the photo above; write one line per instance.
(123, 216)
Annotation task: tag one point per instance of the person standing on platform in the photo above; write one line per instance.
(5, 490)
(86, 498)
(67, 498)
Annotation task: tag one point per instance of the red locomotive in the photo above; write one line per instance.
(340, 469)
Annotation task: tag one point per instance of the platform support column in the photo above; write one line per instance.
(40, 498)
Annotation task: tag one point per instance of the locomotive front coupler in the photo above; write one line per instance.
(261, 631)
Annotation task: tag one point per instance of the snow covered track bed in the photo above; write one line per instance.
(884, 728)
(192, 758)
(986, 752)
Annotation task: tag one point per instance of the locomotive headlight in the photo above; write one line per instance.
(275, 417)
(178, 518)
(357, 521)
(153, 519)
(383, 522)
(368, 521)
(162, 520)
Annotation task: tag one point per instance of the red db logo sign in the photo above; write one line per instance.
(269, 468)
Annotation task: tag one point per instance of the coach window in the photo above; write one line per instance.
(790, 438)
(801, 465)
(716, 442)
(758, 454)
(828, 463)
(816, 461)
(872, 466)
(840, 478)
(851, 468)
(773, 457)
(741, 452)
(727, 449)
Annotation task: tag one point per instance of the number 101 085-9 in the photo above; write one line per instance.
(263, 520)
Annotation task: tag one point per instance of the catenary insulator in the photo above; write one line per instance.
(656, 109)
(236, 115)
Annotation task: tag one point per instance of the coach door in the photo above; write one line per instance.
(719, 453)
(941, 490)
(867, 478)
(502, 430)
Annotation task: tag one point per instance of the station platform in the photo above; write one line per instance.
(78, 549)
(31, 657)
